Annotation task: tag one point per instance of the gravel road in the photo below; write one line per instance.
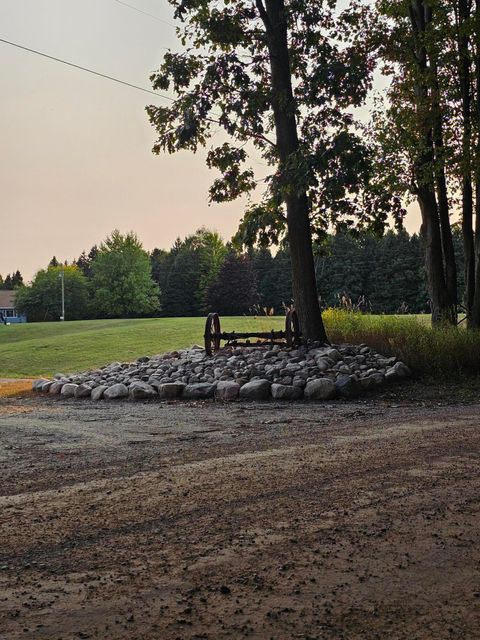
(151, 521)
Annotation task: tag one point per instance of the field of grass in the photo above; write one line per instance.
(43, 349)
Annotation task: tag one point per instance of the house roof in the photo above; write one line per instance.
(7, 299)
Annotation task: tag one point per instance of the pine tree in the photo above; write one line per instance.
(234, 291)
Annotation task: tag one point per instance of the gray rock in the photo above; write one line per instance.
(256, 390)
(333, 354)
(227, 390)
(68, 390)
(199, 391)
(348, 387)
(368, 383)
(83, 391)
(399, 371)
(171, 390)
(321, 389)
(46, 386)
(141, 391)
(378, 377)
(116, 392)
(321, 363)
(37, 384)
(97, 393)
(286, 392)
(56, 388)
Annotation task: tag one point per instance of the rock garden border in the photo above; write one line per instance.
(267, 372)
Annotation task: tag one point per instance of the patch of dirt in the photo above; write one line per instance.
(151, 521)
(12, 387)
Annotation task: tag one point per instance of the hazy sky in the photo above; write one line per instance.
(76, 157)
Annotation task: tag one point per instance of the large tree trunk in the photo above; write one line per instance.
(467, 190)
(442, 198)
(442, 298)
(442, 309)
(298, 219)
(475, 310)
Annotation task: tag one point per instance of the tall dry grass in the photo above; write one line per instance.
(433, 351)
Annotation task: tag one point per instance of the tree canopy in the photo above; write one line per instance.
(42, 299)
(280, 77)
(122, 284)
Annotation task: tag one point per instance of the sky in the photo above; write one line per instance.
(76, 159)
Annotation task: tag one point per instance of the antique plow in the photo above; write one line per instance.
(213, 335)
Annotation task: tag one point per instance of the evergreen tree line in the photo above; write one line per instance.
(201, 273)
(373, 274)
(11, 282)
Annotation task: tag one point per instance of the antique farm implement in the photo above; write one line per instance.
(213, 335)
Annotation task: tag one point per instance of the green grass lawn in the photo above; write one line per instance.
(43, 349)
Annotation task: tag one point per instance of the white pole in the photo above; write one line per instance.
(63, 293)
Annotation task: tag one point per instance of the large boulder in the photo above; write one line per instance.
(286, 392)
(399, 371)
(256, 390)
(56, 388)
(321, 389)
(348, 387)
(97, 392)
(141, 391)
(83, 391)
(227, 390)
(333, 354)
(199, 391)
(322, 364)
(68, 390)
(116, 392)
(171, 390)
(38, 384)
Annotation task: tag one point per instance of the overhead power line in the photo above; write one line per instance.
(145, 13)
(92, 71)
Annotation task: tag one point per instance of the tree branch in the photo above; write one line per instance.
(263, 14)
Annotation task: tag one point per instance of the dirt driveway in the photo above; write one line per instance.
(164, 521)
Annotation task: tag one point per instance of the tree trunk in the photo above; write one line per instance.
(467, 190)
(475, 310)
(442, 304)
(442, 198)
(298, 220)
(441, 307)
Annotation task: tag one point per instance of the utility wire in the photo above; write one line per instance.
(95, 73)
(145, 13)
(92, 71)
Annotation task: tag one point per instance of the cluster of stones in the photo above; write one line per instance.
(252, 373)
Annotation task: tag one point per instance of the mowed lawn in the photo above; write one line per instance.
(43, 349)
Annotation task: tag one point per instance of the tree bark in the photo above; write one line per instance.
(304, 284)
(475, 310)
(442, 198)
(467, 189)
(442, 304)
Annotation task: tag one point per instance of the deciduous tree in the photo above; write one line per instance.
(122, 283)
(282, 76)
(42, 299)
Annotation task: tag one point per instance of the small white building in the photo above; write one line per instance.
(8, 313)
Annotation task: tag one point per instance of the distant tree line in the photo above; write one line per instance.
(11, 282)
(202, 273)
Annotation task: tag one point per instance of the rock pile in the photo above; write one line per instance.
(250, 373)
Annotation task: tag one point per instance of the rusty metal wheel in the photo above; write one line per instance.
(212, 334)
(292, 328)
